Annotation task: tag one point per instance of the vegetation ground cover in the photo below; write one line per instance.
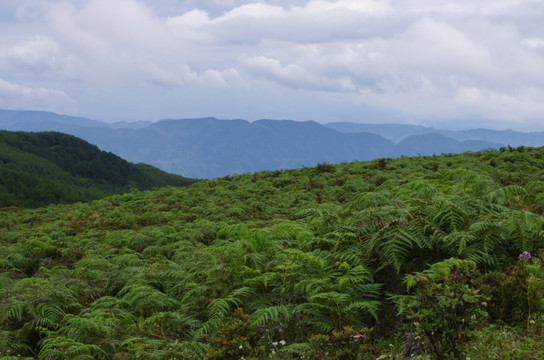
(434, 257)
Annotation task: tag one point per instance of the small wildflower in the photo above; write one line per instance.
(240, 347)
(282, 342)
(524, 256)
(275, 343)
(532, 321)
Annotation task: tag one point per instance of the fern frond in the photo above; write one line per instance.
(298, 349)
(506, 195)
(439, 271)
(272, 313)
(459, 240)
(370, 307)
(324, 326)
(221, 307)
(369, 200)
(66, 348)
(398, 246)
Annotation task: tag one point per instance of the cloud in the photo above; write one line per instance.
(419, 58)
(111, 43)
(36, 54)
(295, 76)
(17, 96)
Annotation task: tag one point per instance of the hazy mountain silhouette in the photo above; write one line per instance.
(208, 147)
(429, 144)
(398, 132)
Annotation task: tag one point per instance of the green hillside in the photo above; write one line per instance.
(37, 169)
(424, 257)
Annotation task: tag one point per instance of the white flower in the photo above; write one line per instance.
(282, 342)
(240, 347)
(275, 343)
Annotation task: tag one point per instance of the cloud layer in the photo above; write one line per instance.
(357, 60)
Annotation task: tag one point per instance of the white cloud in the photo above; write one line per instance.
(296, 76)
(17, 96)
(423, 58)
(533, 42)
(37, 53)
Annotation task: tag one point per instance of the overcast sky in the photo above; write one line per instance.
(448, 64)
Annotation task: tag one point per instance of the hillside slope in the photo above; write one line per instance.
(391, 258)
(43, 168)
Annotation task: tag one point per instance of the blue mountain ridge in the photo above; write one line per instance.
(209, 148)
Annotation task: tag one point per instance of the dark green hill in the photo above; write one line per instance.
(37, 169)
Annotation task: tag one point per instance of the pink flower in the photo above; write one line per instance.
(524, 256)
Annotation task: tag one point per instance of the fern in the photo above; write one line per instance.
(263, 316)
(90, 326)
(370, 307)
(66, 348)
(397, 246)
(219, 308)
(507, 195)
(439, 271)
(369, 200)
(300, 350)
(358, 274)
(459, 240)
(472, 182)
(451, 216)
(144, 299)
(523, 229)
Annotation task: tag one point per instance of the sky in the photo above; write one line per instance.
(448, 64)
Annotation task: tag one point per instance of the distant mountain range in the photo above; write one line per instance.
(398, 132)
(44, 168)
(209, 148)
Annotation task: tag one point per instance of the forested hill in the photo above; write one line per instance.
(435, 257)
(37, 169)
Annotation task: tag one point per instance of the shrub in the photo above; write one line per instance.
(444, 310)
